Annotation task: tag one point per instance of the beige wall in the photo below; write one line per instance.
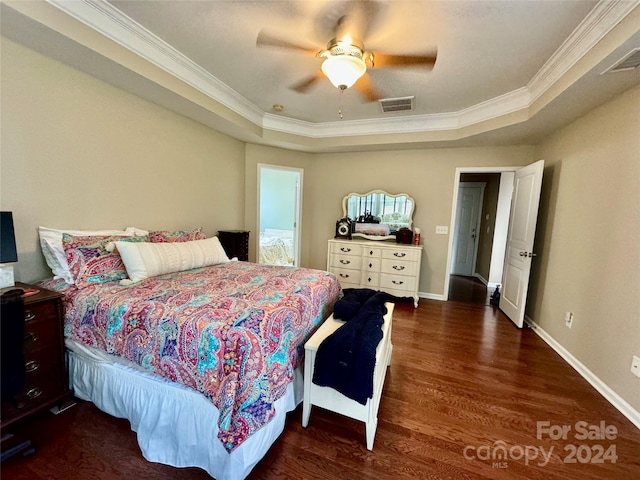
(588, 242)
(426, 175)
(79, 153)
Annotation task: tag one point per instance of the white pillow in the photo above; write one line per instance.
(53, 251)
(144, 259)
(137, 232)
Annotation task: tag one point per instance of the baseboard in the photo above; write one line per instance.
(431, 296)
(612, 397)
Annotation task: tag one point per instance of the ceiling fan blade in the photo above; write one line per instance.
(305, 85)
(364, 15)
(383, 60)
(266, 40)
(366, 89)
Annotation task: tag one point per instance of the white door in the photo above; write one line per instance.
(522, 229)
(465, 242)
(279, 211)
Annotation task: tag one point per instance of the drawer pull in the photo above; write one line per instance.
(345, 262)
(398, 267)
(34, 392)
(343, 275)
(31, 366)
(30, 337)
(369, 279)
(399, 254)
(370, 252)
(370, 265)
(29, 315)
(345, 249)
(397, 282)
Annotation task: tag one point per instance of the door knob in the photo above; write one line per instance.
(532, 255)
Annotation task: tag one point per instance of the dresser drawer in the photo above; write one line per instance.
(371, 252)
(397, 282)
(371, 264)
(398, 267)
(347, 249)
(401, 254)
(346, 261)
(347, 278)
(370, 279)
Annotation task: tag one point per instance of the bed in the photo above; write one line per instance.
(276, 247)
(204, 363)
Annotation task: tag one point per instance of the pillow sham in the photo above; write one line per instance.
(91, 262)
(144, 260)
(169, 236)
(53, 251)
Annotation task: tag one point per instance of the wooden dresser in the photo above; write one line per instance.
(391, 267)
(46, 378)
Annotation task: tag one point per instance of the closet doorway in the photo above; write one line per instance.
(279, 212)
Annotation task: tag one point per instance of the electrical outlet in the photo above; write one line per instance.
(568, 319)
(442, 229)
(635, 366)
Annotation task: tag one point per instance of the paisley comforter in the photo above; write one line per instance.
(234, 331)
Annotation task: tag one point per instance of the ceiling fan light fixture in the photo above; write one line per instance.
(343, 70)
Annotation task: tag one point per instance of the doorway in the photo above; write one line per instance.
(476, 261)
(279, 212)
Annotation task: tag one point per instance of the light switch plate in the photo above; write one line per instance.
(442, 229)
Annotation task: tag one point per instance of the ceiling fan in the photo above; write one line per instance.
(345, 59)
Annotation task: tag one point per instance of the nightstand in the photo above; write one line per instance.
(46, 377)
(235, 243)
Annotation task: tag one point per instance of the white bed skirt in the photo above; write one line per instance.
(175, 425)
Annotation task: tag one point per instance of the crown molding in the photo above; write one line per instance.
(115, 25)
(595, 26)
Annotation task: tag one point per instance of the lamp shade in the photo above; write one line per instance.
(343, 70)
(8, 252)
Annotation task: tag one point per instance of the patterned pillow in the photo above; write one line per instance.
(167, 236)
(90, 261)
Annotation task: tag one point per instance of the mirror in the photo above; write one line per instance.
(378, 215)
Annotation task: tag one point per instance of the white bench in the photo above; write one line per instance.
(333, 400)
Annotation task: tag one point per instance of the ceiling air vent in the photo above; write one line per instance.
(396, 104)
(630, 61)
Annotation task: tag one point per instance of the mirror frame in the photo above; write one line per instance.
(345, 201)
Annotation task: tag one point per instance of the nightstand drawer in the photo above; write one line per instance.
(40, 334)
(42, 386)
(45, 380)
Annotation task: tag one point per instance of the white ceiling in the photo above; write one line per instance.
(507, 71)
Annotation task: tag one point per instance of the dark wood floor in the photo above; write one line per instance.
(463, 382)
(468, 289)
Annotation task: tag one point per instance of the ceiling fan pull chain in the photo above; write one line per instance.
(340, 107)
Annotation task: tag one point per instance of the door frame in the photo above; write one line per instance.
(454, 207)
(297, 214)
(478, 220)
